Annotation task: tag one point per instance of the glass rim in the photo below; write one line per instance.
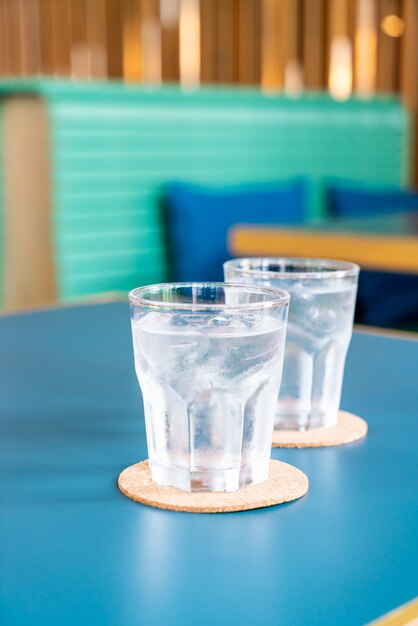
(332, 268)
(279, 297)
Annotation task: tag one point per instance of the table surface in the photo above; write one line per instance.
(74, 550)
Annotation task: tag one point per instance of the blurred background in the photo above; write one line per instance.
(138, 135)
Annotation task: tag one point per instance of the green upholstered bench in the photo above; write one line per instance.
(111, 148)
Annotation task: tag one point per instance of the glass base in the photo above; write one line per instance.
(230, 479)
(305, 420)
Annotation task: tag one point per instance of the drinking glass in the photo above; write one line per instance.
(323, 295)
(209, 358)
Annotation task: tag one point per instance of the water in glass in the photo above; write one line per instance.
(209, 385)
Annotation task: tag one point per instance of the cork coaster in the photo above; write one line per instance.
(284, 484)
(349, 428)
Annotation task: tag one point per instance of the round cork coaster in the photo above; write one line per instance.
(284, 484)
(349, 428)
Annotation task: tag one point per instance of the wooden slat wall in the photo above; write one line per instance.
(245, 42)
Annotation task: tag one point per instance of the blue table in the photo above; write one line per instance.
(74, 551)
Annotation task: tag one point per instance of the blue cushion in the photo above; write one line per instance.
(199, 219)
(389, 300)
(344, 201)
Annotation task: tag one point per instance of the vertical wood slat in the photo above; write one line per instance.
(14, 31)
(227, 41)
(209, 33)
(170, 52)
(257, 42)
(79, 52)
(409, 54)
(131, 26)
(314, 52)
(151, 41)
(338, 23)
(248, 42)
(338, 18)
(61, 37)
(189, 43)
(271, 61)
(46, 23)
(96, 39)
(291, 42)
(387, 79)
(30, 29)
(365, 47)
(114, 38)
(78, 21)
(4, 41)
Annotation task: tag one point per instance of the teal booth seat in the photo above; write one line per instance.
(113, 149)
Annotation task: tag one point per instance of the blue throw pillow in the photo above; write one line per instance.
(345, 201)
(199, 219)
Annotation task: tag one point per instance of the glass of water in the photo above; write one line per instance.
(209, 358)
(323, 295)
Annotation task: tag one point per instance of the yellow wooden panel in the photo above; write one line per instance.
(398, 254)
